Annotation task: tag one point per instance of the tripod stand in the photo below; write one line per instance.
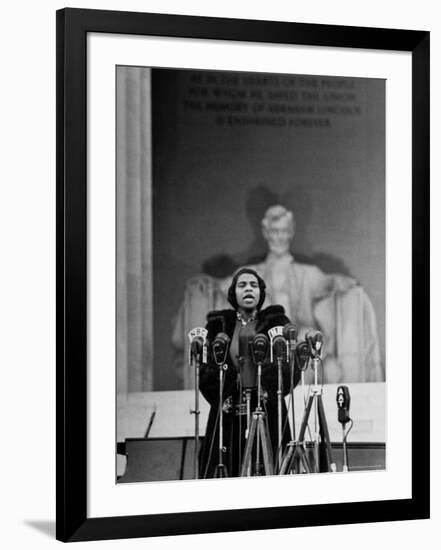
(343, 402)
(221, 469)
(195, 363)
(258, 438)
(290, 463)
(197, 355)
(296, 451)
(295, 457)
(220, 350)
(287, 461)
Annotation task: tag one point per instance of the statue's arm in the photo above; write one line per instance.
(323, 284)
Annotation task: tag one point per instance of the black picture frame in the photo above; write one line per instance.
(72, 293)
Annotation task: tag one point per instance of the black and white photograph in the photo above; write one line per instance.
(220, 275)
(250, 274)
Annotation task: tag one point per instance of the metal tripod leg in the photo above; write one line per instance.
(258, 435)
(220, 471)
(303, 459)
(294, 458)
(248, 448)
(324, 426)
(247, 432)
(286, 462)
(305, 419)
(266, 447)
(298, 454)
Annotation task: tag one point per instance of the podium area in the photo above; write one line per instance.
(168, 451)
(167, 459)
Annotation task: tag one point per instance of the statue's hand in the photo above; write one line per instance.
(199, 281)
(343, 283)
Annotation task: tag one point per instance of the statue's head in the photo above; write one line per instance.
(278, 229)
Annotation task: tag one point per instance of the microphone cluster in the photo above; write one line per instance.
(281, 343)
(282, 346)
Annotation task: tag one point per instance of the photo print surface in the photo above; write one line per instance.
(283, 175)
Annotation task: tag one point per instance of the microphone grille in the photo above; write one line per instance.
(260, 346)
(290, 331)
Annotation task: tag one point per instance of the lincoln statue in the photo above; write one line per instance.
(334, 304)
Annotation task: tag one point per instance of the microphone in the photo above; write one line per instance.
(278, 344)
(196, 345)
(220, 348)
(198, 337)
(315, 341)
(259, 348)
(290, 333)
(343, 403)
(279, 348)
(302, 355)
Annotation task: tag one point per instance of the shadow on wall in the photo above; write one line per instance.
(259, 200)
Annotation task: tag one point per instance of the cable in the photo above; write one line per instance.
(345, 449)
(349, 429)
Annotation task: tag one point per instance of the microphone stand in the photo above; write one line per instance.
(248, 405)
(196, 359)
(279, 411)
(241, 360)
(295, 454)
(345, 451)
(258, 431)
(278, 348)
(315, 366)
(198, 353)
(221, 469)
(319, 418)
(220, 350)
(292, 349)
(315, 403)
(343, 401)
(345, 445)
(247, 431)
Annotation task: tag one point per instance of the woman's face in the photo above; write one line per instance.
(247, 292)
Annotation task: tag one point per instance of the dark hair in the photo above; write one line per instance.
(232, 290)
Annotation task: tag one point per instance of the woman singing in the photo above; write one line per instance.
(246, 294)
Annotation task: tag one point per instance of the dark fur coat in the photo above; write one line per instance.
(233, 425)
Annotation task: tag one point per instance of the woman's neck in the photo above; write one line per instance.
(246, 313)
